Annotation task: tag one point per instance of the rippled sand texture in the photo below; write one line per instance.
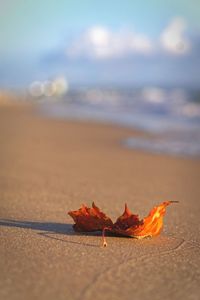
(48, 167)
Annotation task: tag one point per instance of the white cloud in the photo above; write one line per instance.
(173, 39)
(101, 43)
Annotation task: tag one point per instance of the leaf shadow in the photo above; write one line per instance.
(47, 229)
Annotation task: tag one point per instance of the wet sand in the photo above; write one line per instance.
(48, 167)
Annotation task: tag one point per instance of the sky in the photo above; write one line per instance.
(112, 43)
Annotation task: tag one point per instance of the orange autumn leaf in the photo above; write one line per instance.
(128, 224)
(90, 219)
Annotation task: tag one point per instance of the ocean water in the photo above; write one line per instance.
(171, 116)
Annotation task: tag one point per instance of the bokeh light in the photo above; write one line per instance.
(36, 89)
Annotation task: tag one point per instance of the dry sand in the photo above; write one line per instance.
(48, 167)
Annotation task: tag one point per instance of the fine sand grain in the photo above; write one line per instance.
(48, 167)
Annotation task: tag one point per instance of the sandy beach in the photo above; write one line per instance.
(48, 167)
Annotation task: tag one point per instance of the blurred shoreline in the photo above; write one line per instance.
(171, 116)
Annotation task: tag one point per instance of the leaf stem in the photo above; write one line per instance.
(103, 237)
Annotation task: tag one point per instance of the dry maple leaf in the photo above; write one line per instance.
(90, 219)
(128, 224)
